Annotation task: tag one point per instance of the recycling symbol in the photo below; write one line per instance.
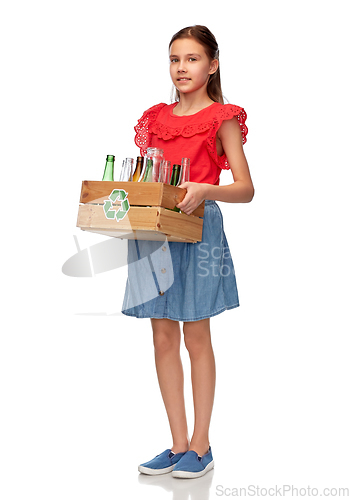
(110, 213)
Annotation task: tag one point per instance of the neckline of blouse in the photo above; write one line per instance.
(187, 116)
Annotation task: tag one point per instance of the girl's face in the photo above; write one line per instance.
(190, 66)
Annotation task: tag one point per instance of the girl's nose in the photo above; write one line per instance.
(181, 68)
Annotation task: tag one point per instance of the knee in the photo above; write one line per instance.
(166, 340)
(196, 341)
(193, 345)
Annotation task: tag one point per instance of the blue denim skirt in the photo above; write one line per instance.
(182, 281)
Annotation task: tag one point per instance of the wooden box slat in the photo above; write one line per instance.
(180, 225)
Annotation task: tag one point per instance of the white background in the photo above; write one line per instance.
(81, 407)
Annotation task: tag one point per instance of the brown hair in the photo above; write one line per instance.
(205, 37)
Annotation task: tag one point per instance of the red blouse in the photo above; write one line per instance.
(191, 137)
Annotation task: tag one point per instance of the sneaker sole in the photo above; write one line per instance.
(187, 475)
(155, 472)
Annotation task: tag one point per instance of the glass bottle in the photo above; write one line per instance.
(127, 170)
(147, 177)
(138, 169)
(130, 167)
(165, 172)
(185, 170)
(175, 175)
(174, 181)
(108, 174)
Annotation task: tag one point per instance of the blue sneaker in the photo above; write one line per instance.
(161, 464)
(192, 465)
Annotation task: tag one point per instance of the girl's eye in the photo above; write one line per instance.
(174, 60)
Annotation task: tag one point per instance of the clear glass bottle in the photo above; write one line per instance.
(108, 174)
(165, 172)
(127, 170)
(185, 170)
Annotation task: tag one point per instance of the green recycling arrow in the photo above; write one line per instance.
(110, 213)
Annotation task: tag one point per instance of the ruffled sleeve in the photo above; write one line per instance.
(142, 129)
(225, 112)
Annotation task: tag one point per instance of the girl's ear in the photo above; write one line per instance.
(213, 66)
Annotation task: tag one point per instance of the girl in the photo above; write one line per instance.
(199, 126)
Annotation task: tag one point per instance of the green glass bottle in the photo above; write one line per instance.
(109, 169)
(175, 177)
(147, 177)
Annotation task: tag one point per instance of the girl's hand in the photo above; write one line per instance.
(196, 193)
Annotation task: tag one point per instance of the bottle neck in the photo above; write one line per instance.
(109, 169)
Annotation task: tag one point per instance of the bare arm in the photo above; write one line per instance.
(241, 190)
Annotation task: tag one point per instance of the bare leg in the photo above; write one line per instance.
(166, 339)
(198, 343)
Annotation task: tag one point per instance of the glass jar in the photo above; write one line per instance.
(153, 161)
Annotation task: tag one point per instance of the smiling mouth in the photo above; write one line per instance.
(183, 79)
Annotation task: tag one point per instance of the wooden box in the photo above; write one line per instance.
(137, 210)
